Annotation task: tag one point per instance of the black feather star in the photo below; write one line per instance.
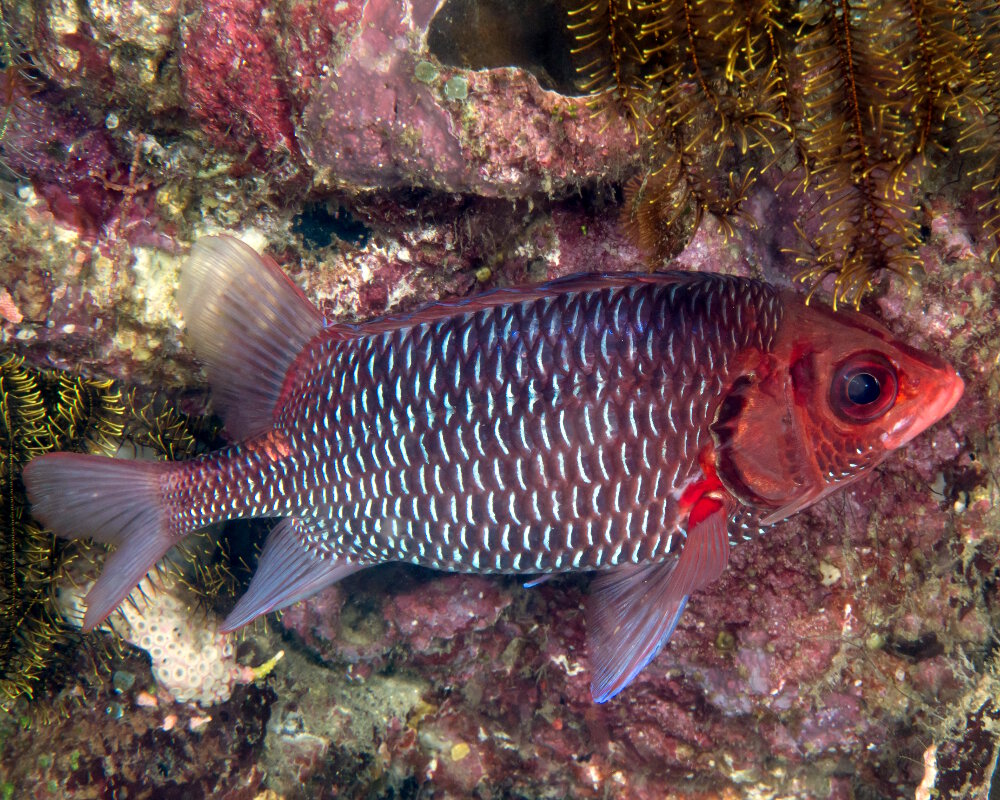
(857, 100)
(42, 411)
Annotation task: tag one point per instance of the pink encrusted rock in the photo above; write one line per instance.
(589, 241)
(317, 622)
(430, 616)
(8, 309)
(351, 84)
(233, 79)
(115, 743)
(384, 118)
(65, 41)
(73, 165)
(115, 54)
(441, 250)
(313, 35)
(428, 619)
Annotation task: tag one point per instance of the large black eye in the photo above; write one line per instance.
(864, 387)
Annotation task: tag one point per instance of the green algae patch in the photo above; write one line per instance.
(456, 88)
(425, 72)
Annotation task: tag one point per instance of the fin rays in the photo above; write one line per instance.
(247, 322)
(288, 571)
(115, 501)
(633, 609)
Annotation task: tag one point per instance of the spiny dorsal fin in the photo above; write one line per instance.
(578, 282)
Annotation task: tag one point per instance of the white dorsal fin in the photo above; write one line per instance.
(247, 322)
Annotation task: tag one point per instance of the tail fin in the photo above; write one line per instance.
(115, 501)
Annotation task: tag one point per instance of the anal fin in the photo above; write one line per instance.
(633, 609)
(288, 571)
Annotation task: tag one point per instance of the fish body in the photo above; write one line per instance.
(550, 434)
(629, 424)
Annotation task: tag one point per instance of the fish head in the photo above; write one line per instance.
(834, 396)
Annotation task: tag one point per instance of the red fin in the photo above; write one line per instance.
(586, 282)
(706, 549)
(631, 615)
(704, 496)
(287, 572)
(633, 610)
(247, 322)
(115, 501)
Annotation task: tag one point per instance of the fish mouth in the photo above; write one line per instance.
(943, 401)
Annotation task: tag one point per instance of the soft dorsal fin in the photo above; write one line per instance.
(247, 322)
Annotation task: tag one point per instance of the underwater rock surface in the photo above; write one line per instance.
(849, 652)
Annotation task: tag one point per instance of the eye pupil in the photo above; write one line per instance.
(863, 388)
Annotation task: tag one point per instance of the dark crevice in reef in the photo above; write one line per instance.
(319, 223)
(482, 34)
(923, 647)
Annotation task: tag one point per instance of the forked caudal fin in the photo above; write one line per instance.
(115, 501)
(248, 323)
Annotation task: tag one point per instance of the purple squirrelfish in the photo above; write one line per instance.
(623, 423)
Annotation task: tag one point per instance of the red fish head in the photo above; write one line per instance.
(836, 394)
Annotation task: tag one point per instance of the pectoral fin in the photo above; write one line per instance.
(633, 610)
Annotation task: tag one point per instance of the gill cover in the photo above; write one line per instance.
(758, 444)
